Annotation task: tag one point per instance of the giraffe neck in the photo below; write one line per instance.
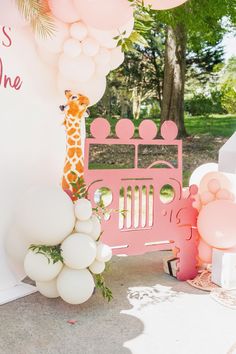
(74, 163)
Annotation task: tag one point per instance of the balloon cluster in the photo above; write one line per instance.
(217, 215)
(83, 49)
(66, 251)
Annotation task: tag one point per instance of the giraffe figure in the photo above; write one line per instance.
(74, 109)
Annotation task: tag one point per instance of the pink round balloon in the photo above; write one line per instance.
(220, 177)
(164, 4)
(64, 10)
(207, 197)
(217, 224)
(104, 14)
(223, 194)
(205, 252)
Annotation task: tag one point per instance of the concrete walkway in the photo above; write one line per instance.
(151, 313)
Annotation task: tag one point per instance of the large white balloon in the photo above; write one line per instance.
(79, 31)
(104, 252)
(94, 88)
(78, 251)
(83, 209)
(54, 43)
(90, 46)
(84, 227)
(96, 230)
(64, 10)
(76, 69)
(117, 58)
(39, 268)
(48, 57)
(46, 215)
(105, 14)
(75, 286)
(102, 69)
(48, 288)
(103, 56)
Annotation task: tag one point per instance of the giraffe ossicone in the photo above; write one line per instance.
(74, 109)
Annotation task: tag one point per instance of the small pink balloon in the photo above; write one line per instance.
(64, 10)
(164, 4)
(213, 185)
(223, 194)
(220, 177)
(217, 224)
(205, 252)
(207, 197)
(105, 14)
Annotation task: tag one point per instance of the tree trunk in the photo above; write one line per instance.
(174, 77)
(137, 100)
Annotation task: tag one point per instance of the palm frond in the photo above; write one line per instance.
(36, 14)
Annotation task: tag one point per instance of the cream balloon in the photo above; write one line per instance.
(64, 10)
(46, 215)
(54, 44)
(219, 176)
(104, 252)
(96, 230)
(117, 58)
(48, 288)
(102, 69)
(78, 251)
(105, 14)
(75, 286)
(83, 209)
(164, 4)
(97, 267)
(79, 31)
(90, 46)
(103, 56)
(47, 57)
(84, 227)
(72, 48)
(39, 268)
(81, 68)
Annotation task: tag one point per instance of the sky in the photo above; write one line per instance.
(229, 43)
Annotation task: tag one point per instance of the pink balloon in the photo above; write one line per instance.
(207, 197)
(164, 4)
(217, 224)
(10, 15)
(223, 194)
(220, 177)
(104, 14)
(205, 252)
(64, 10)
(213, 185)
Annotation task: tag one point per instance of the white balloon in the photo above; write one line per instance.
(54, 43)
(84, 227)
(78, 30)
(103, 56)
(75, 286)
(16, 245)
(46, 215)
(102, 69)
(201, 171)
(96, 231)
(48, 288)
(72, 48)
(64, 10)
(39, 268)
(97, 267)
(117, 58)
(83, 209)
(90, 47)
(47, 57)
(104, 252)
(81, 68)
(78, 251)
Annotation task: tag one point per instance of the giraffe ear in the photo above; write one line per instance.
(68, 94)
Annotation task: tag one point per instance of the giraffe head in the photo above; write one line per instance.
(76, 104)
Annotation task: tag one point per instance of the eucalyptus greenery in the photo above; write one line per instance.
(52, 253)
(36, 14)
(100, 284)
